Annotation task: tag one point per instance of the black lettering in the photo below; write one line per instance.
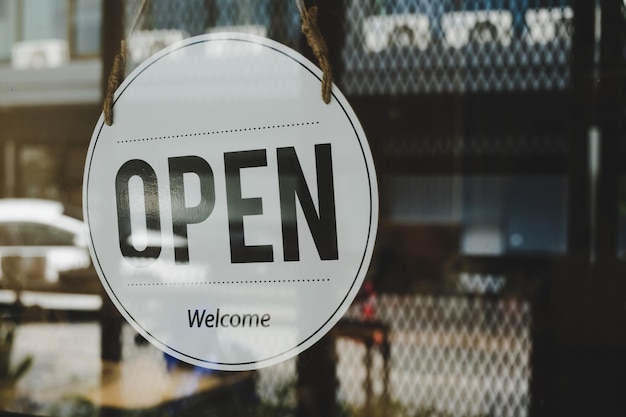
(239, 207)
(238, 320)
(197, 318)
(209, 320)
(291, 183)
(143, 170)
(182, 215)
(251, 318)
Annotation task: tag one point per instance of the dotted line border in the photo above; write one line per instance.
(218, 132)
(257, 281)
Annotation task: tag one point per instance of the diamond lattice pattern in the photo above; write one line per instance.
(450, 356)
(422, 46)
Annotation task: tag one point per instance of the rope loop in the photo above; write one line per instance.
(309, 27)
(117, 71)
(316, 41)
(115, 79)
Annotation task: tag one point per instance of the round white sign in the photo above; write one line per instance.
(231, 213)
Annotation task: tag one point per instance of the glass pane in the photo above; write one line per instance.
(495, 215)
(87, 22)
(457, 46)
(8, 27)
(45, 19)
(43, 35)
(39, 164)
(473, 305)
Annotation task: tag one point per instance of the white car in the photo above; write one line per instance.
(38, 242)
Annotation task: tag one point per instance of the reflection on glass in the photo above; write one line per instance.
(41, 164)
(43, 38)
(34, 33)
(44, 19)
(468, 352)
(38, 243)
(8, 27)
(497, 215)
(455, 46)
(86, 22)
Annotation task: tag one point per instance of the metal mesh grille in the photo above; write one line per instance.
(401, 46)
(487, 145)
(165, 22)
(420, 46)
(449, 356)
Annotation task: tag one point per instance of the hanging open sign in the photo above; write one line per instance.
(231, 213)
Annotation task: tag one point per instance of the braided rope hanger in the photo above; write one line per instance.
(309, 27)
(316, 42)
(117, 71)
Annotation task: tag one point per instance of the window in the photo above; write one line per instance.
(43, 19)
(45, 33)
(86, 24)
(38, 166)
(8, 27)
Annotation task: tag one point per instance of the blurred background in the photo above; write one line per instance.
(497, 286)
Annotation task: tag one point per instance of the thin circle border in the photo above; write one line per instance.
(267, 43)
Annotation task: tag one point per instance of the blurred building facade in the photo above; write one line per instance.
(50, 72)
